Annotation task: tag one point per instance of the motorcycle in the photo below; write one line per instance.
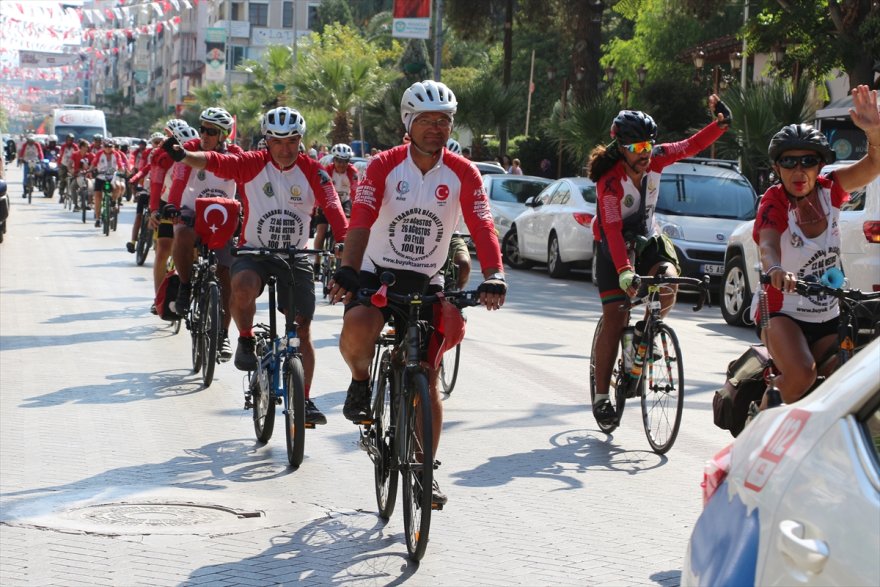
(49, 177)
(4, 208)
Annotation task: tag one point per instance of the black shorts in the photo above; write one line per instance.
(143, 202)
(406, 282)
(813, 331)
(303, 285)
(659, 249)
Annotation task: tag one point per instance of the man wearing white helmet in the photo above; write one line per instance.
(402, 221)
(30, 150)
(106, 166)
(186, 187)
(279, 189)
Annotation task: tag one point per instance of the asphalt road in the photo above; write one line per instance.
(117, 468)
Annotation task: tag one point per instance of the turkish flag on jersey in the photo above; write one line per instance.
(216, 220)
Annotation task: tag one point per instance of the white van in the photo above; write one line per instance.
(81, 120)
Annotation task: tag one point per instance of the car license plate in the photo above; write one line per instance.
(710, 269)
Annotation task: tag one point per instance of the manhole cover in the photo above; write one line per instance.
(152, 517)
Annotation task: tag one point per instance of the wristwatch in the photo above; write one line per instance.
(498, 276)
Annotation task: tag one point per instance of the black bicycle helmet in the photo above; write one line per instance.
(800, 137)
(633, 126)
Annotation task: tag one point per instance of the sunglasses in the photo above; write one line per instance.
(806, 161)
(211, 132)
(443, 123)
(643, 147)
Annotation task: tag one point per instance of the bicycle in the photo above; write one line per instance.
(279, 377)
(83, 194)
(401, 412)
(449, 374)
(328, 262)
(651, 368)
(146, 235)
(30, 183)
(109, 211)
(205, 314)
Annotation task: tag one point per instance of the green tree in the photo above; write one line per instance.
(484, 106)
(333, 12)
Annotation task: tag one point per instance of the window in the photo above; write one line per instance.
(510, 190)
(313, 15)
(237, 54)
(547, 194)
(562, 195)
(589, 193)
(258, 14)
(870, 421)
(237, 11)
(287, 15)
(706, 196)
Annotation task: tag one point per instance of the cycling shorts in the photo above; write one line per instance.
(303, 286)
(813, 331)
(143, 203)
(658, 249)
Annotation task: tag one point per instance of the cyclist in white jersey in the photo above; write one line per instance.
(402, 220)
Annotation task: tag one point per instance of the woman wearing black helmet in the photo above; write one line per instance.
(627, 177)
(798, 235)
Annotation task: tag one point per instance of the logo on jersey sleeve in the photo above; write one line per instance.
(442, 192)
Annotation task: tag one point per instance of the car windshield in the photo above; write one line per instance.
(706, 196)
(80, 132)
(513, 190)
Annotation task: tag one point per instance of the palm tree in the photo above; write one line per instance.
(485, 106)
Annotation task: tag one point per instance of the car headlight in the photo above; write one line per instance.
(672, 231)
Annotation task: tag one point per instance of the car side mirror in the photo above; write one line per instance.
(533, 202)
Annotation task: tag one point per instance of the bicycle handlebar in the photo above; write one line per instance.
(702, 286)
(811, 286)
(287, 252)
(461, 299)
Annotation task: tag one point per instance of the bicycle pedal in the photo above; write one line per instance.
(309, 426)
(436, 506)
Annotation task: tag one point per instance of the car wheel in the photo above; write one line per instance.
(736, 299)
(510, 251)
(594, 266)
(555, 267)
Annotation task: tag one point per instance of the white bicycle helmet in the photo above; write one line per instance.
(53, 138)
(453, 146)
(175, 123)
(185, 134)
(157, 136)
(426, 96)
(217, 116)
(342, 151)
(283, 122)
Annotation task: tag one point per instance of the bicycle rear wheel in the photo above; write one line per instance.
(416, 459)
(663, 391)
(616, 388)
(84, 202)
(145, 240)
(295, 412)
(449, 374)
(385, 474)
(114, 217)
(105, 216)
(263, 404)
(196, 332)
(210, 327)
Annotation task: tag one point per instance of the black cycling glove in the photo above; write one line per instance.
(347, 278)
(493, 286)
(722, 109)
(168, 146)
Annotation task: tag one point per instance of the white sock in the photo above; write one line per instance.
(600, 397)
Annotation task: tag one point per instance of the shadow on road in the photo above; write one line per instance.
(572, 453)
(145, 332)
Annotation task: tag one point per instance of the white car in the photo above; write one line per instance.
(860, 253)
(508, 195)
(795, 500)
(554, 229)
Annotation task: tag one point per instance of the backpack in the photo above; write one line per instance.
(166, 295)
(745, 384)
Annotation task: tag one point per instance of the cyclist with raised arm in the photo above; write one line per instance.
(798, 236)
(627, 176)
(402, 220)
(279, 191)
(156, 169)
(186, 187)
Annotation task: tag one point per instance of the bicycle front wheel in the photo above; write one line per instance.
(105, 216)
(416, 457)
(196, 332)
(616, 391)
(84, 202)
(449, 369)
(663, 389)
(263, 404)
(210, 327)
(295, 412)
(385, 473)
(145, 239)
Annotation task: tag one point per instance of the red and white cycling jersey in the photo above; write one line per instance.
(277, 202)
(188, 184)
(345, 183)
(106, 165)
(411, 216)
(619, 198)
(65, 154)
(800, 254)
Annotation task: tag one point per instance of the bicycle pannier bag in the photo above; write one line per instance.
(166, 295)
(745, 384)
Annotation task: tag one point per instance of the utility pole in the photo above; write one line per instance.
(228, 47)
(438, 39)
